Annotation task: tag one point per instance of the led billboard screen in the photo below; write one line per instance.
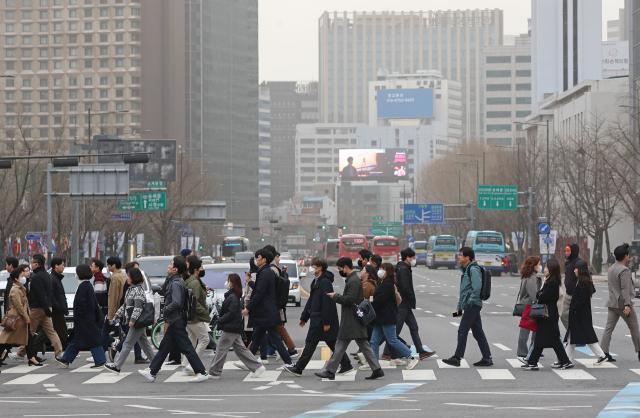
(405, 104)
(388, 164)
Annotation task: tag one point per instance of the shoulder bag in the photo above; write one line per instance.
(365, 312)
(146, 318)
(539, 311)
(518, 309)
(9, 322)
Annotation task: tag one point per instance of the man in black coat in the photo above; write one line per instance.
(40, 294)
(572, 255)
(262, 309)
(404, 283)
(323, 313)
(59, 306)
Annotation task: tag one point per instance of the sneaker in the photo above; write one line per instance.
(411, 363)
(90, 359)
(258, 372)
(611, 359)
(531, 367)
(566, 366)
(484, 362)
(212, 354)
(426, 355)
(601, 361)
(362, 359)
(264, 362)
(556, 365)
(241, 365)
(112, 368)
(16, 357)
(142, 360)
(397, 362)
(293, 370)
(146, 373)
(293, 353)
(200, 377)
(98, 366)
(523, 360)
(365, 367)
(215, 377)
(112, 354)
(173, 363)
(453, 361)
(282, 367)
(61, 361)
(385, 357)
(188, 371)
(345, 370)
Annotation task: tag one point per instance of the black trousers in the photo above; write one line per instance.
(176, 335)
(310, 348)
(557, 347)
(60, 325)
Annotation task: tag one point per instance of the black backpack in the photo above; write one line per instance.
(485, 290)
(189, 306)
(282, 288)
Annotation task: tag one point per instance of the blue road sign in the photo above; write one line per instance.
(33, 237)
(543, 228)
(548, 240)
(317, 234)
(410, 238)
(120, 217)
(423, 213)
(187, 234)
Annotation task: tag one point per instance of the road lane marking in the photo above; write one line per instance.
(516, 364)
(496, 374)
(317, 364)
(30, 379)
(418, 375)
(625, 403)
(588, 363)
(439, 315)
(597, 327)
(573, 374)
(456, 324)
(86, 369)
(106, 378)
(349, 377)
(22, 369)
(502, 347)
(267, 376)
(463, 365)
(143, 406)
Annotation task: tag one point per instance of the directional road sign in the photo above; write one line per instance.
(187, 234)
(33, 237)
(387, 228)
(423, 213)
(378, 218)
(497, 197)
(544, 228)
(144, 201)
(120, 217)
(155, 184)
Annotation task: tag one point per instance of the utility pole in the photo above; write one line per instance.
(529, 193)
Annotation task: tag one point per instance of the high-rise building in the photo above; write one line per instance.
(353, 47)
(292, 103)
(618, 30)
(508, 90)
(264, 152)
(566, 45)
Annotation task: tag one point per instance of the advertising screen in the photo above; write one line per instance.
(373, 164)
(405, 103)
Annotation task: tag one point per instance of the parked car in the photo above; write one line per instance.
(155, 267)
(206, 259)
(242, 257)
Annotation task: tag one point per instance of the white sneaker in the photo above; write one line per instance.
(397, 362)
(212, 353)
(278, 357)
(188, 371)
(264, 362)
(362, 359)
(241, 365)
(258, 372)
(411, 363)
(16, 357)
(200, 377)
(365, 367)
(90, 360)
(523, 360)
(282, 367)
(146, 373)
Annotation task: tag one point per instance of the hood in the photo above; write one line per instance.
(327, 275)
(575, 251)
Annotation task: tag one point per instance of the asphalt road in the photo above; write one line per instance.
(429, 390)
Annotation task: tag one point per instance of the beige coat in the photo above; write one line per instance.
(18, 308)
(118, 278)
(247, 297)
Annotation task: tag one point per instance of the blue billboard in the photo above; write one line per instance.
(405, 103)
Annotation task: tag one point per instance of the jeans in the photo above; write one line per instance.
(274, 337)
(406, 316)
(137, 336)
(310, 348)
(176, 334)
(471, 321)
(523, 350)
(388, 331)
(72, 351)
(107, 339)
(136, 348)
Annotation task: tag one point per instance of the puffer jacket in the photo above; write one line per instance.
(133, 304)
(230, 314)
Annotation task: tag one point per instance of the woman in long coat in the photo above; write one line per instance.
(580, 322)
(87, 323)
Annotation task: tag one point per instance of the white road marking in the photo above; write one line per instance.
(573, 374)
(315, 365)
(107, 378)
(597, 327)
(349, 377)
(261, 387)
(588, 363)
(502, 347)
(178, 377)
(456, 324)
(439, 315)
(418, 375)
(143, 406)
(86, 369)
(500, 306)
(22, 369)
(496, 374)
(268, 376)
(516, 364)
(418, 309)
(30, 379)
(428, 312)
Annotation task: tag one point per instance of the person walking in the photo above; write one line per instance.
(18, 308)
(59, 306)
(572, 256)
(548, 333)
(176, 333)
(250, 277)
(231, 325)
(620, 302)
(469, 307)
(129, 313)
(386, 308)
(404, 283)
(198, 328)
(611, 260)
(10, 264)
(87, 322)
(39, 295)
(369, 276)
(350, 327)
(580, 321)
(322, 314)
(114, 297)
(530, 283)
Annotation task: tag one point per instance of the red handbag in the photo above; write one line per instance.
(526, 322)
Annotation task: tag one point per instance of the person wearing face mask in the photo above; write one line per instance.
(369, 276)
(365, 257)
(321, 313)
(530, 284)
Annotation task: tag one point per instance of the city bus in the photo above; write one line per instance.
(420, 247)
(442, 251)
(370, 243)
(332, 251)
(350, 246)
(233, 245)
(387, 247)
(489, 249)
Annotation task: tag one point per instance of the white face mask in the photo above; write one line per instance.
(539, 268)
(413, 262)
(312, 270)
(381, 273)
(227, 285)
(22, 280)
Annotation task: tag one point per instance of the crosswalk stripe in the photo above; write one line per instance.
(315, 365)
(268, 376)
(573, 374)
(86, 369)
(418, 375)
(22, 369)
(349, 377)
(463, 365)
(178, 377)
(502, 347)
(588, 363)
(30, 379)
(496, 374)
(515, 363)
(106, 378)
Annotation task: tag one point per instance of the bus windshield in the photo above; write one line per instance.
(352, 244)
(385, 243)
(420, 246)
(490, 240)
(446, 242)
(333, 248)
(230, 247)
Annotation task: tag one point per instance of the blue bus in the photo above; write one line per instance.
(489, 249)
(442, 251)
(420, 247)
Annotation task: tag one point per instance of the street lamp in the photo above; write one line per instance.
(484, 215)
(547, 125)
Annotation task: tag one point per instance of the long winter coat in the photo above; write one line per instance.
(321, 310)
(369, 287)
(248, 291)
(87, 317)
(58, 298)
(548, 331)
(404, 283)
(18, 308)
(230, 314)
(263, 306)
(384, 303)
(580, 324)
(350, 326)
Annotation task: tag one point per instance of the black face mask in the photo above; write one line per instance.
(201, 274)
(342, 273)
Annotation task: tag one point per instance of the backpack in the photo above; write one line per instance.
(282, 289)
(485, 290)
(189, 307)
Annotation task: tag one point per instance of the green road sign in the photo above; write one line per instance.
(155, 184)
(387, 224)
(387, 228)
(145, 201)
(497, 197)
(301, 232)
(378, 218)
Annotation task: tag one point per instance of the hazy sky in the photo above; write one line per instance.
(289, 28)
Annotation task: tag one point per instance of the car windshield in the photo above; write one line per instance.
(216, 278)
(242, 257)
(292, 269)
(154, 268)
(70, 283)
(486, 239)
(421, 246)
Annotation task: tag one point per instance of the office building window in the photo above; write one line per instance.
(498, 73)
(500, 114)
(523, 87)
(523, 100)
(523, 73)
(499, 60)
(498, 100)
(498, 87)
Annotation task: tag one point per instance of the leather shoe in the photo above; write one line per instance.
(426, 354)
(142, 360)
(326, 375)
(610, 359)
(376, 374)
(41, 359)
(385, 357)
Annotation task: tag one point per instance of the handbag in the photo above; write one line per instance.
(526, 322)
(518, 309)
(365, 312)
(146, 318)
(9, 322)
(539, 311)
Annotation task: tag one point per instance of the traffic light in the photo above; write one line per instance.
(314, 240)
(201, 247)
(344, 227)
(262, 239)
(324, 227)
